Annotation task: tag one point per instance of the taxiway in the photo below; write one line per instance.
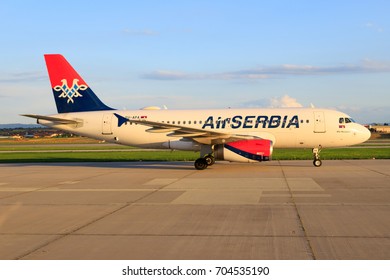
(168, 210)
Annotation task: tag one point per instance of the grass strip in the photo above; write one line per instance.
(102, 156)
(98, 156)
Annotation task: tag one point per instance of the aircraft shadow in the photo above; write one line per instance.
(161, 165)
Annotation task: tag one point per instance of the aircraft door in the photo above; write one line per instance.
(106, 126)
(319, 122)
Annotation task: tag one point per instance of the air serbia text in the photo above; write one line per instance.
(236, 122)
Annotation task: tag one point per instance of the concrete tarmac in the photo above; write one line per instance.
(168, 210)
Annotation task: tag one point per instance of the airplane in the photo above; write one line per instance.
(235, 135)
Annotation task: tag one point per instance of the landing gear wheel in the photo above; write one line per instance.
(210, 160)
(317, 162)
(316, 153)
(201, 164)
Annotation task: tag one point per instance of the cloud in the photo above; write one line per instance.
(367, 114)
(284, 102)
(365, 66)
(22, 77)
(373, 26)
(269, 72)
(169, 75)
(177, 75)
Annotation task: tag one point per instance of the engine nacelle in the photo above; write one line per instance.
(184, 145)
(245, 150)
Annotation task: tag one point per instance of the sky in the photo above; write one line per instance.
(201, 54)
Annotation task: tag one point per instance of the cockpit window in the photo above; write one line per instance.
(346, 120)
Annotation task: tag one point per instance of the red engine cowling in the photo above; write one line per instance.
(245, 151)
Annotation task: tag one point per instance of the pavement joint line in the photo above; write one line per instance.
(198, 235)
(245, 204)
(362, 232)
(61, 236)
(72, 232)
(40, 189)
(298, 215)
(365, 168)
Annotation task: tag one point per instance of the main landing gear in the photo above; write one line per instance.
(204, 162)
(316, 153)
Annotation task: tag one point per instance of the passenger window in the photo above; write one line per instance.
(341, 120)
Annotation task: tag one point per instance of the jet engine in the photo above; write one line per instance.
(245, 150)
(185, 145)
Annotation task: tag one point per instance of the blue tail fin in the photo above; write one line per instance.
(71, 92)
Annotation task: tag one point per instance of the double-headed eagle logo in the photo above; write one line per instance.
(72, 92)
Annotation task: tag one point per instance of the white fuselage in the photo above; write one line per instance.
(286, 127)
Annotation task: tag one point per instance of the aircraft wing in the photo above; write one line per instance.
(202, 136)
(52, 119)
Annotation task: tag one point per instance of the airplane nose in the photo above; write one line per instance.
(365, 134)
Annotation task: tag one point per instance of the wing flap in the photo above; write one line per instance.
(176, 130)
(197, 134)
(186, 135)
(161, 129)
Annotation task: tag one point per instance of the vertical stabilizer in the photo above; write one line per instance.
(71, 92)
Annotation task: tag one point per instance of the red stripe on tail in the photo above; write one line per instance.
(59, 68)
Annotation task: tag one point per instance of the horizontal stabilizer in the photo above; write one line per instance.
(121, 120)
(52, 119)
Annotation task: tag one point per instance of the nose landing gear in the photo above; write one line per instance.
(316, 153)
